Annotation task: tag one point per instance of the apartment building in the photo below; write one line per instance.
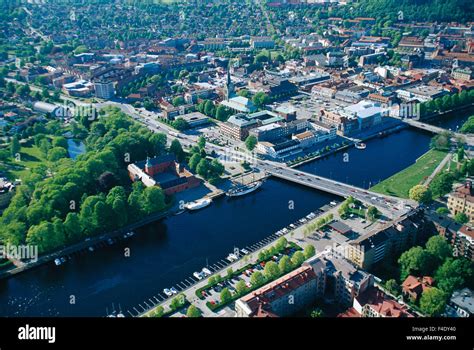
(461, 200)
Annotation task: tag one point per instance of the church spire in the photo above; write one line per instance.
(229, 87)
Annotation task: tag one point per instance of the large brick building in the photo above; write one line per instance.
(165, 172)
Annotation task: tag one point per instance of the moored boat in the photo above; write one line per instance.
(199, 204)
(242, 190)
(360, 145)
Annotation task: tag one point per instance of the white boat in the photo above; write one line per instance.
(199, 204)
(206, 271)
(197, 275)
(244, 189)
(57, 261)
(360, 145)
(167, 292)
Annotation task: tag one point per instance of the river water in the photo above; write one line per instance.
(168, 251)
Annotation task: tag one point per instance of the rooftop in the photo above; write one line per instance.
(464, 298)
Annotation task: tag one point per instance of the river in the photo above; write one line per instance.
(166, 252)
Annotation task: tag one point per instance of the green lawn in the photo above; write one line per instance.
(399, 184)
(30, 157)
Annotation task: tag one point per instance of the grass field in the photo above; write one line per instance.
(399, 184)
(30, 157)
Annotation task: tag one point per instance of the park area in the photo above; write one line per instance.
(399, 184)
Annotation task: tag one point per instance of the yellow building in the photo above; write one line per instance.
(461, 200)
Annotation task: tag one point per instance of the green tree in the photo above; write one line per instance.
(193, 311)
(225, 296)
(438, 247)
(433, 302)
(257, 279)
(158, 142)
(271, 270)
(454, 274)
(202, 142)
(309, 251)
(251, 142)
(297, 259)
(178, 302)
(180, 124)
(222, 113)
(281, 243)
(416, 261)
(393, 287)
(209, 108)
(461, 218)
(241, 287)
(260, 99)
(203, 168)
(178, 101)
(177, 150)
(159, 311)
(72, 227)
(442, 211)
(420, 193)
(285, 264)
(194, 161)
(14, 146)
(441, 142)
(56, 153)
(372, 213)
(153, 200)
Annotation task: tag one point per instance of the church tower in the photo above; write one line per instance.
(229, 87)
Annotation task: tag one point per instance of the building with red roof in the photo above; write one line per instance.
(414, 286)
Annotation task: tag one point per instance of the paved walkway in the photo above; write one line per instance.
(438, 169)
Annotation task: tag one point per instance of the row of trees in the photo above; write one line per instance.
(468, 126)
(271, 271)
(208, 108)
(447, 103)
(210, 170)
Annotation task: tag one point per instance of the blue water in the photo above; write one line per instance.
(75, 148)
(168, 251)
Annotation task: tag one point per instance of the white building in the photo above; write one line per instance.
(104, 90)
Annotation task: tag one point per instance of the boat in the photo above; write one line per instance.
(242, 190)
(199, 204)
(167, 292)
(197, 275)
(206, 271)
(360, 145)
(57, 261)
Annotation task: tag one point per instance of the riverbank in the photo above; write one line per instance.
(166, 252)
(349, 144)
(400, 184)
(90, 242)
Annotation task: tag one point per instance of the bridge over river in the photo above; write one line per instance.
(392, 207)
